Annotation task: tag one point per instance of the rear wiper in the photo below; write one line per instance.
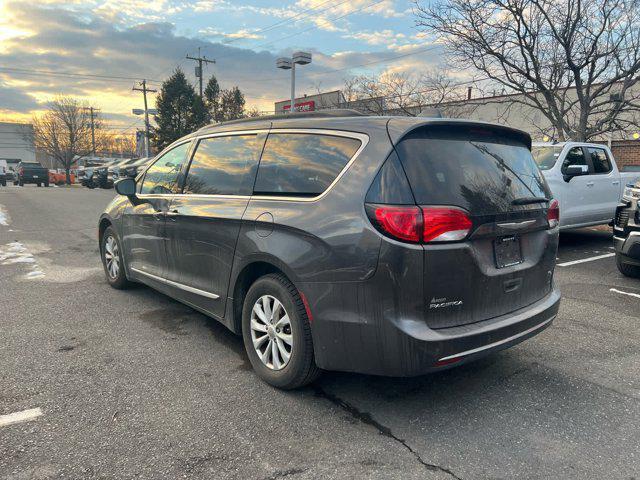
(529, 200)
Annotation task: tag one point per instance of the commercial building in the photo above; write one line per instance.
(16, 143)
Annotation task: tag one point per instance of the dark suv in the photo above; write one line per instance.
(384, 245)
(626, 231)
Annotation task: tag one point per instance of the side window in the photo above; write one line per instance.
(162, 176)
(575, 156)
(221, 165)
(302, 164)
(599, 159)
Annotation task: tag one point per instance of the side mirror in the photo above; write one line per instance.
(575, 171)
(126, 187)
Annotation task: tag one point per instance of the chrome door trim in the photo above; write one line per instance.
(181, 286)
(498, 343)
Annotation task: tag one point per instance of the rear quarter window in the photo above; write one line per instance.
(478, 169)
(302, 164)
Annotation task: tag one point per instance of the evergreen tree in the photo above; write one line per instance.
(180, 110)
(212, 100)
(232, 104)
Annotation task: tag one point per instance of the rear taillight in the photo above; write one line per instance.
(415, 224)
(553, 214)
(445, 224)
(400, 222)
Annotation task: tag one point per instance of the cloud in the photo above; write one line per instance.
(63, 40)
(243, 33)
(383, 37)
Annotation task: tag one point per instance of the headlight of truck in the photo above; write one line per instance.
(630, 193)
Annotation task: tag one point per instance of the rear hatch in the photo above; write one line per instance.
(506, 259)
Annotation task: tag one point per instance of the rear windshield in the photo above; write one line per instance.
(546, 156)
(480, 170)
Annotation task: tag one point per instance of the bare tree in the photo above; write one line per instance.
(404, 93)
(577, 62)
(64, 132)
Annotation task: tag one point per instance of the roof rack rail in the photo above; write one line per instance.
(343, 112)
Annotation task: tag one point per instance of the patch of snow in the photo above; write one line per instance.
(14, 253)
(5, 220)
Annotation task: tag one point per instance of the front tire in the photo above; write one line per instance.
(112, 259)
(277, 333)
(627, 269)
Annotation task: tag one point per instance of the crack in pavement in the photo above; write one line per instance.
(366, 418)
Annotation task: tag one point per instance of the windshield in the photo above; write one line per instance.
(546, 156)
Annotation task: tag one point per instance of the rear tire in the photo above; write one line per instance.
(299, 368)
(4, 183)
(627, 269)
(112, 259)
(39, 184)
(46, 184)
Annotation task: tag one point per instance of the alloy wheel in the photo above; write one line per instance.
(271, 332)
(112, 257)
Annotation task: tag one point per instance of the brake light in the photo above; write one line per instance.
(400, 222)
(445, 224)
(553, 214)
(411, 223)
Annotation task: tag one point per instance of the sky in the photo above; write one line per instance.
(46, 45)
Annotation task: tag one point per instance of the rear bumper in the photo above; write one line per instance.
(406, 347)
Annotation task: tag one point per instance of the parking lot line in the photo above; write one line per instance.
(17, 417)
(624, 293)
(588, 259)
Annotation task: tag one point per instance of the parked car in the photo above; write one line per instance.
(626, 231)
(32, 172)
(11, 176)
(59, 177)
(584, 178)
(4, 170)
(133, 169)
(114, 169)
(96, 175)
(382, 245)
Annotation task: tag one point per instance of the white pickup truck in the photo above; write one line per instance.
(585, 180)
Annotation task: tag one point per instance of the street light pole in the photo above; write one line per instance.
(300, 58)
(144, 91)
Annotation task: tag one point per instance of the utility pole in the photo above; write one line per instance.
(93, 129)
(144, 91)
(200, 61)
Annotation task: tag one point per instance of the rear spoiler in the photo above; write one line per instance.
(399, 127)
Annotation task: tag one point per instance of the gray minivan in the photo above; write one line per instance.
(331, 240)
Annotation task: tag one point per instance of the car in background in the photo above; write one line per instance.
(584, 178)
(114, 170)
(4, 169)
(330, 240)
(59, 177)
(32, 172)
(626, 231)
(133, 169)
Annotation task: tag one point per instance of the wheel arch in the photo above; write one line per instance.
(246, 276)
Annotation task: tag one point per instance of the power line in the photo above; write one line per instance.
(31, 71)
(289, 19)
(199, 72)
(313, 27)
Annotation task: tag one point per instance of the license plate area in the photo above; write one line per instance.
(507, 251)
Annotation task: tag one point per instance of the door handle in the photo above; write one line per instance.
(589, 184)
(617, 182)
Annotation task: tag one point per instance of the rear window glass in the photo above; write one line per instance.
(477, 169)
(302, 164)
(599, 159)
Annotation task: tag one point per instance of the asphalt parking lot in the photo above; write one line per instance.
(130, 384)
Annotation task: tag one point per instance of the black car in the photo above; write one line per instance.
(32, 172)
(383, 245)
(626, 232)
(133, 169)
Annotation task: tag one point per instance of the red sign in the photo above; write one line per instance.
(309, 106)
